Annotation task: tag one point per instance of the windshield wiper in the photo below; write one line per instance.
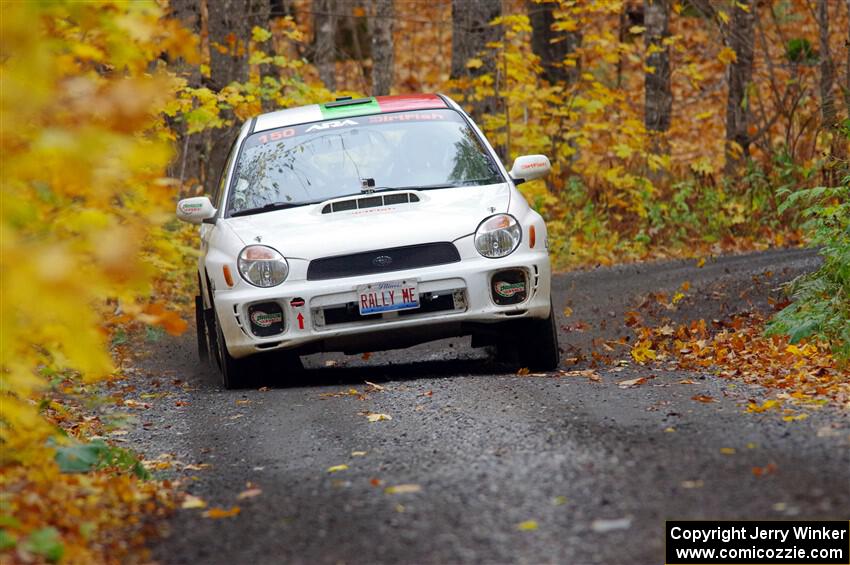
(458, 184)
(269, 208)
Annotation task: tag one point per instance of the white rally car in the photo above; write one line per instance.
(366, 225)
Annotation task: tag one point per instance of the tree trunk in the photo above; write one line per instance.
(188, 166)
(325, 25)
(471, 31)
(827, 69)
(382, 46)
(658, 98)
(230, 25)
(551, 54)
(847, 72)
(741, 40)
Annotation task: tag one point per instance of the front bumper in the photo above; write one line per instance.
(452, 296)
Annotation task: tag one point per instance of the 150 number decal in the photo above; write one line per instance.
(276, 135)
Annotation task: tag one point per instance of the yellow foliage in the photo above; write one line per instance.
(84, 153)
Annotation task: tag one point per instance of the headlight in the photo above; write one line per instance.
(262, 266)
(498, 236)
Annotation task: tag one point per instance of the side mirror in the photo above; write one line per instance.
(195, 210)
(530, 167)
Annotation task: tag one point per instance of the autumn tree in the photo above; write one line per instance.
(739, 35)
(827, 68)
(847, 70)
(190, 164)
(230, 25)
(381, 24)
(381, 28)
(658, 98)
(324, 44)
(740, 38)
(471, 32)
(552, 47)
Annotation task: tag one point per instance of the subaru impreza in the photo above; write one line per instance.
(365, 225)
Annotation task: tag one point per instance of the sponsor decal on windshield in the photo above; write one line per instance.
(406, 117)
(332, 124)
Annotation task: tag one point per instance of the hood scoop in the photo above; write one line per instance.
(370, 201)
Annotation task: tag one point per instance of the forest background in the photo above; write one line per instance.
(676, 129)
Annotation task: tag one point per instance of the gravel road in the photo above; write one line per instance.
(597, 468)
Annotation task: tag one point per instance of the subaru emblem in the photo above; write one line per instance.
(382, 261)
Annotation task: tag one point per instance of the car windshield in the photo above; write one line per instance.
(315, 162)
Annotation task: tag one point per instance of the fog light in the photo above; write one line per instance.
(266, 319)
(509, 287)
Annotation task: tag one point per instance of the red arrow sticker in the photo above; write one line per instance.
(300, 321)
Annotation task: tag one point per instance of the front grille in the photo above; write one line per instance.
(383, 261)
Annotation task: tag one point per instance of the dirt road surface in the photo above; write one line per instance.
(597, 468)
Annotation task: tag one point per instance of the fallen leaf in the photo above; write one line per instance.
(373, 385)
(559, 500)
(527, 526)
(366, 356)
(218, 512)
(403, 489)
(701, 263)
(337, 468)
(523, 371)
(568, 312)
(727, 450)
(376, 417)
(604, 526)
(193, 467)
(249, 493)
(692, 484)
(191, 501)
(703, 398)
(376, 482)
(671, 429)
(358, 453)
(631, 383)
(768, 469)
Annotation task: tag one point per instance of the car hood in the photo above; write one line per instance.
(440, 215)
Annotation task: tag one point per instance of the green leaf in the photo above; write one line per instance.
(81, 458)
(7, 540)
(47, 543)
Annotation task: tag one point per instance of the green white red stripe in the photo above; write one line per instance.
(374, 105)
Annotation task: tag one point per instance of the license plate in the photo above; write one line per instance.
(388, 297)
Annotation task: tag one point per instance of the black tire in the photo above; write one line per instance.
(539, 350)
(235, 373)
(201, 330)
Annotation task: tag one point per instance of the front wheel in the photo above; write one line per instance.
(531, 343)
(539, 349)
(201, 330)
(235, 373)
(255, 370)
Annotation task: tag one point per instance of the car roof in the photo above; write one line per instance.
(346, 107)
